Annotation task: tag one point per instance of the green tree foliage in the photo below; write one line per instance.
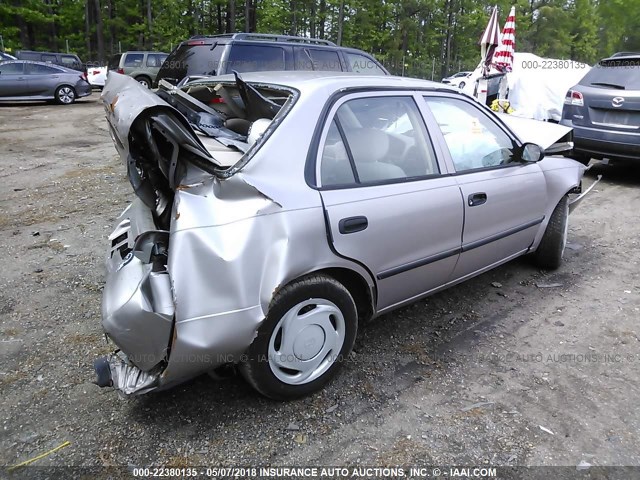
(425, 38)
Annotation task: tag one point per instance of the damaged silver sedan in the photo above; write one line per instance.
(276, 211)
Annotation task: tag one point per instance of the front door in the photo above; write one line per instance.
(13, 81)
(504, 198)
(388, 206)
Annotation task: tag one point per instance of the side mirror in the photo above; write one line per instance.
(532, 152)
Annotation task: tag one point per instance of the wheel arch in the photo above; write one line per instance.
(145, 76)
(562, 175)
(363, 294)
(362, 291)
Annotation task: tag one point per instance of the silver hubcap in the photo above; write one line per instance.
(66, 95)
(144, 83)
(306, 341)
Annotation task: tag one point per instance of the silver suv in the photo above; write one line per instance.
(143, 66)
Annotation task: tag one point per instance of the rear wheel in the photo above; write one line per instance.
(310, 328)
(551, 249)
(144, 81)
(461, 85)
(65, 95)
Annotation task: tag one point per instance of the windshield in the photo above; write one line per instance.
(620, 73)
(191, 58)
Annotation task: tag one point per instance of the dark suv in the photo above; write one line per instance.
(251, 52)
(604, 110)
(68, 60)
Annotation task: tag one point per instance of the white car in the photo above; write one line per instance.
(459, 79)
(97, 76)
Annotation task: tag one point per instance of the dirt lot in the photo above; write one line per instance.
(516, 367)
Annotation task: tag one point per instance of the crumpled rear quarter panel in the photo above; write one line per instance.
(231, 249)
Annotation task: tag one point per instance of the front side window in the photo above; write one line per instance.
(376, 140)
(133, 60)
(11, 69)
(474, 141)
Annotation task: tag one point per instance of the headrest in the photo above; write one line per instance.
(257, 129)
(368, 144)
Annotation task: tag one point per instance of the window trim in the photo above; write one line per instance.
(483, 109)
(329, 114)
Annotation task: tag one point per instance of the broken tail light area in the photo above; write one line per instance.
(137, 305)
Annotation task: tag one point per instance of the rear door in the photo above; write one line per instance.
(388, 204)
(42, 79)
(154, 62)
(13, 81)
(504, 199)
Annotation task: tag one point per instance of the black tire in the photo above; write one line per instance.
(551, 249)
(461, 85)
(65, 95)
(258, 368)
(144, 81)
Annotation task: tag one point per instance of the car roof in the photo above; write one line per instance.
(308, 81)
(621, 56)
(265, 38)
(47, 53)
(46, 64)
(141, 51)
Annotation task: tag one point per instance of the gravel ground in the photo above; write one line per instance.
(516, 367)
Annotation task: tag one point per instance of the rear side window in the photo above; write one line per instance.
(317, 59)
(621, 73)
(133, 59)
(192, 59)
(255, 58)
(11, 69)
(363, 64)
(49, 58)
(35, 69)
(155, 59)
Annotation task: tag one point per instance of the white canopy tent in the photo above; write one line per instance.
(536, 86)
